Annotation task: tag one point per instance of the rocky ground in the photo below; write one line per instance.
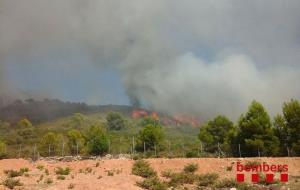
(115, 174)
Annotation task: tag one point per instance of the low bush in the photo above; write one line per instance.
(207, 179)
(61, 177)
(110, 173)
(48, 181)
(152, 183)
(227, 183)
(167, 173)
(71, 186)
(13, 173)
(40, 167)
(181, 178)
(143, 169)
(190, 168)
(191, 154)
(88, 170)
(23, 170)
(11, 183)
(61, 171)
(3, 155)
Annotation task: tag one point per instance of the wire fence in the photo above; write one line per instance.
(168, 148)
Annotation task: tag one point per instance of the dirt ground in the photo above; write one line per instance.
(98, 178)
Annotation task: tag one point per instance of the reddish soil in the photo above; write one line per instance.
(98, 178)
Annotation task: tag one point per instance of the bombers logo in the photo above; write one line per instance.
(265, 168)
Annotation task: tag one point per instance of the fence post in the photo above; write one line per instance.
(62, 149)
(133, 145)
(169, 148)
(144, 148)
(240, 151)
(108, 146)
(49, 149)
(77, 148)
(288, 151)
(219, 150)
(120, 146)
(34, 149)
(20, 148)
(155, 149)
(258, 151)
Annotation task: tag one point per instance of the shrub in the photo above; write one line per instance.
(208, 179)
(245, 186)
(48, 181)
(167, 173)
(13, 173)
(61, 177)
(46, 171)
(227, 183)
(229, 168)
(152, 183)
(3, 155)
(88, 170)
(110, 173)
(191, 154)
(11, 183)
(23, 170)
(182, 178)
(40, 167)
(143, 169)
(71, 186)
(190, 168)
(61, 171)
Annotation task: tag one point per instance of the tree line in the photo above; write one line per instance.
(255, 134)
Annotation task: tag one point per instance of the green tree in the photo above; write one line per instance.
(115, 121)
(24, 123)
(151, 135)
(219, 130)
(288, 127)
(3, 153)
(75, 141)
(2, 146)
(256, 133)
(282, 133)
(49, 143)
(77, 121)
(150, 121)
(97, 140)
(25, 130)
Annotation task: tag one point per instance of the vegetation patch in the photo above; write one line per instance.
(190, 168)
(143, 169)
(61, 177)
(207, 180)
(152, 183)
(13, 173)
(48, 181)
(62, 171)
(11, 183)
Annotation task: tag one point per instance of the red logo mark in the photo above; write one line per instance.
(240, 177)
(284, 177)
(255, 178)
(269, 178)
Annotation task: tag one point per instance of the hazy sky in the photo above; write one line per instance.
(204, 57)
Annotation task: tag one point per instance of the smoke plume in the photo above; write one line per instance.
(194, 56)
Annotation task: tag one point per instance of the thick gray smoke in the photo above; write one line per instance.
(194, 56)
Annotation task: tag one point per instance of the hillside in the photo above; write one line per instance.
(181, 138)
